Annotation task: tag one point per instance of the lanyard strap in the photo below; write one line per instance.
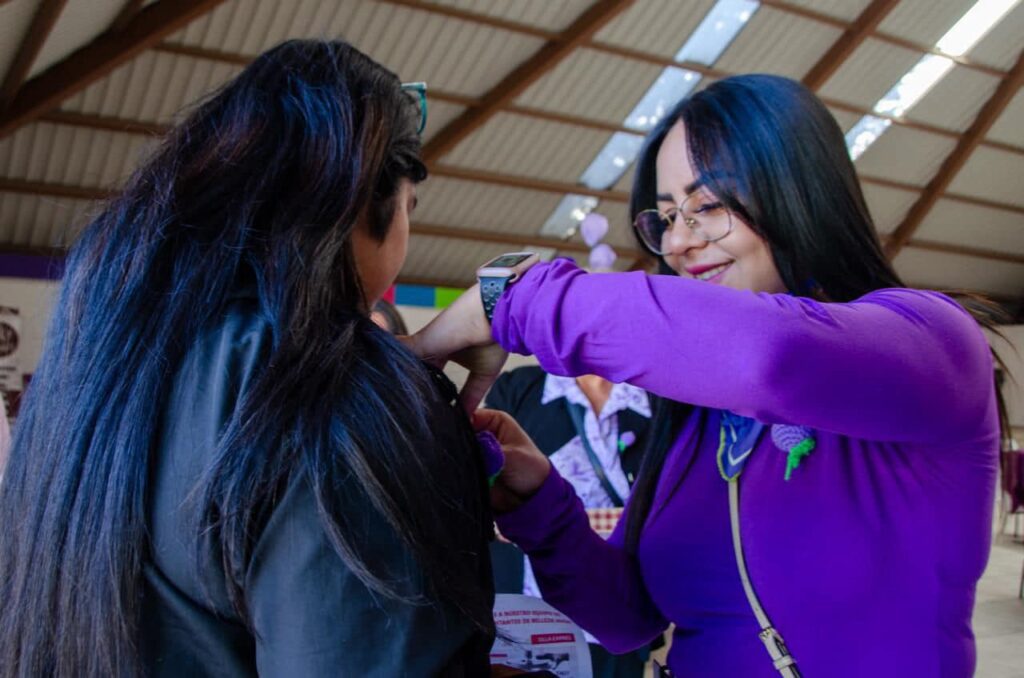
(773, 642)
(576, 413)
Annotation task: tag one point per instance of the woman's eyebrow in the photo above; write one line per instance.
(665, 197)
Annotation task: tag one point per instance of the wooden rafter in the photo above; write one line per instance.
(515, 83)
(148, 128)
(780, 5)
(848, 42)
(35, 37)
(962, 250)
(99, 57)
(955, 161)
(125, 16)
(821, 17)
(476, 235)
(418, 228)
(623, 52)
(517, 239)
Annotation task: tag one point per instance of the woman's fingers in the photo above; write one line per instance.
(474, 390)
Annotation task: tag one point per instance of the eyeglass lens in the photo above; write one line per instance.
(701, 212)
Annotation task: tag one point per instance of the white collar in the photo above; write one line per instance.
(622, 396)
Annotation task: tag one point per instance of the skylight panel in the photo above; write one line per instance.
(927, 72)
(611, 163)
(725, 20)
(707, 43)
(973, 26)
(672, 85)
(566, 218)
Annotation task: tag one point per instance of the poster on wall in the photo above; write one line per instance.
(10, 338)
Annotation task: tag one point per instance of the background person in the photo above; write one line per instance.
(593, 432)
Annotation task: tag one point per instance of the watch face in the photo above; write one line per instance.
(508, 260)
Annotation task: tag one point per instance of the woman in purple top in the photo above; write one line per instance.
(861, 415)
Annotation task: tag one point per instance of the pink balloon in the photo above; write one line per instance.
(593, 227)
(602, 258)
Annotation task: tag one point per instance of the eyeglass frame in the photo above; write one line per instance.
(686, 220)
(419, 88)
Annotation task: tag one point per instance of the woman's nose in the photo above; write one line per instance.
(681, 238)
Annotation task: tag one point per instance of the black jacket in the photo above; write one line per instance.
(310, 615)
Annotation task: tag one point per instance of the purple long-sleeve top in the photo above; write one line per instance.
(866, 560)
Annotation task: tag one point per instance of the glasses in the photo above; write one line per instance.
(419, 91)
(702, 213)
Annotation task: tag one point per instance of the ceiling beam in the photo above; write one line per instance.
(780, 5)
(623, 52)
(478, 18)
(125, 16)
(518, 239)
(847, 43)
(31, 44)
(962, 250)
(821, 17)
(476, 235)
(103, 122)
(515, 83)
(513, 181)
(98, 58)
(24, 187)
(510, 181)
(955, 161)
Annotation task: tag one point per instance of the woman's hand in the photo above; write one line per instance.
(526, 468)
(462, 334)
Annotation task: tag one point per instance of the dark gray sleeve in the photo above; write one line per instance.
(313, 617)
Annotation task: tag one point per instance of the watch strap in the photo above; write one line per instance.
(491, 289)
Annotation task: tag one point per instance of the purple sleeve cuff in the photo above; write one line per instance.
(549, 511)
(505, 329)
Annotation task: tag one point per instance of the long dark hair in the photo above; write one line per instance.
(774, 155)
(265, 182)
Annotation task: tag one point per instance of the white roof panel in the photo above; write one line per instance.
(1009, 126)
(1002, 46)
(845, 119)
(959, 223)
(625, 182)
(41, 221)
(943, 270)
(887, 205)
(449, 54)
(924, 21)
(551, 16)
(154, 86)
(439, 114)
(468, 204)
(655, 26)
(993, 175)
(79, 23)
(847, 10)
(518, 145)
(869, 73)
(778, 42)
(447, 258)
(955, 101)
(593, 85)
(906, 154)
(15, 18)
(70, 155)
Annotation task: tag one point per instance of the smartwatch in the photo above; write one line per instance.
(497, 273)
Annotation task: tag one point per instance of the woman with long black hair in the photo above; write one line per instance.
(824, 453)
(223, 467)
